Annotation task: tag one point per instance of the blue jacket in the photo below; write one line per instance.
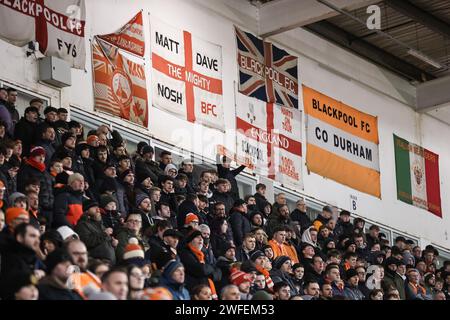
(178, 291)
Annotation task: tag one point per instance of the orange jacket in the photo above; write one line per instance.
(284, 250)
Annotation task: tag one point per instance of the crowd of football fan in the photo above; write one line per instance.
(81, 218)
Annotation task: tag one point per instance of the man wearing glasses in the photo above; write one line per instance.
(132, 229)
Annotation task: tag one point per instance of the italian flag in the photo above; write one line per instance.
(417, 173)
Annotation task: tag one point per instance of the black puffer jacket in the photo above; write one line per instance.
(46, 198)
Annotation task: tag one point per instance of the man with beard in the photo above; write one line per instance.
(18, 252)
(95, 236)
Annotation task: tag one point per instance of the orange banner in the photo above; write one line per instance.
(119, 84)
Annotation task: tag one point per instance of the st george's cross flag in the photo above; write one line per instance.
(130, 37)
(119, 84)
(266, 72)
(268, 136)
(186, 75)
(417, 172)
(58, 27)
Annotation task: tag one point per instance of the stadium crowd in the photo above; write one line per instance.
(82, 218)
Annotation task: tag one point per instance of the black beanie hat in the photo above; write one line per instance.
(141, 176)
(88, 203)
(66, 137)
(194, 234)
(350, 273)
(278, 262)
(55, 258)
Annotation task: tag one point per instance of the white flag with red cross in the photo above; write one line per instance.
(270, 136)
(186, 75)
(58, 27)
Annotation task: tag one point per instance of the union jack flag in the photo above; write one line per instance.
(266, 72)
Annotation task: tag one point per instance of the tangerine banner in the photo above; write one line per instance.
(119, 84)
(342, 142)
(130, 37)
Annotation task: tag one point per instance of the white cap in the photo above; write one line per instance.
(67, 232)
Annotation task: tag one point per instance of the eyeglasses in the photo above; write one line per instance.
(134, 221)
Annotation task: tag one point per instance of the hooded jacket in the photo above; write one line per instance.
(178, 290)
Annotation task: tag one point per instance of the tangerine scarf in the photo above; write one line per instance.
(38, 165)
(201, 258)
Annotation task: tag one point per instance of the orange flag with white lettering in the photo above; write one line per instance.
(119, 84)
(130, 37)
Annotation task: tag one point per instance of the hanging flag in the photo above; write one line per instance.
(58, 27)
(266, 72)
(130, 37)
(342, 143)
(119, 84)
(417, 172)
(187, 75)
(270, 136)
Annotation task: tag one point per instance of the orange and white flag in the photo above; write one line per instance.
(130, 37)
(119, 84)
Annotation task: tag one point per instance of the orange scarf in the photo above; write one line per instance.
(38, 165)
(201, 258)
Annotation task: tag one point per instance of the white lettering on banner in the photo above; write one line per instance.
(343, 144)
(166, 42)
(197, 80)
(267, 72)
(266, 137)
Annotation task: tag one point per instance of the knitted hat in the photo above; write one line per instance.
(296, 265)
(141, 176)
(88, 203)
(105, 199)
(37, 151)
(392, 260)
(124, 174)
(190, 217)
(262, 295)
(278, 262)
(133, 250)
(80, 147)
(140, 197)
(74, 177)
(238, 277)
(108, 165)
(238, 203)
(170, 268)
(13, 213)
(194, 234)
(225, 247)
(15, 196)
(350, 273)
(67, 232)
(55, 258)
(91, 138)
(257, 254)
